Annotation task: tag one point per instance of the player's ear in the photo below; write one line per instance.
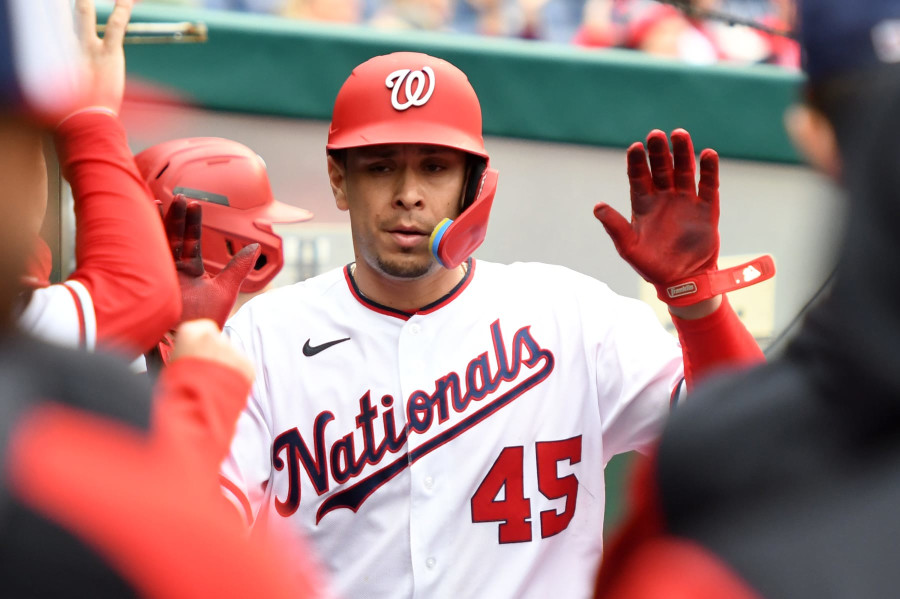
(337, 178)
(814, 137)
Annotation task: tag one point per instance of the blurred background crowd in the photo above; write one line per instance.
(692, 34)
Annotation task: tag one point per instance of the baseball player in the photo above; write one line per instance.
(437, 425)
(123, 294)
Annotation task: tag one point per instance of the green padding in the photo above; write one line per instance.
(532, 90)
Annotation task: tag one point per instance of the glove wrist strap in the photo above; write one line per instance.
(711, 283)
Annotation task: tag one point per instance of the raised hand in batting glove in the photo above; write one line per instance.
(674, 230)
(203, 295)
(672, 240)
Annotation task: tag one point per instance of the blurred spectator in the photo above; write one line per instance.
(651, 26)
(487, 17)
(662, 29)
(189, 3)
(335, 11)
(430, 15)
(783, 51)
(261, 6)
(602, 25)
(550, 20)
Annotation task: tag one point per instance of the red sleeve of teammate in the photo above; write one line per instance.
(196, 406)
(145, 511)
(121, 250)
(715, 342)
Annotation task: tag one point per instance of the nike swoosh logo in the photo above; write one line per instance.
(311, 350)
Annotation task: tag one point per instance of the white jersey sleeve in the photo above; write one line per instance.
(638, 366)
(244, 480)
(62, 314)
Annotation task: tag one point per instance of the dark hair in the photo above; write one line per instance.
(340, 156)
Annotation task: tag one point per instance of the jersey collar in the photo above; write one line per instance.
(433, 306)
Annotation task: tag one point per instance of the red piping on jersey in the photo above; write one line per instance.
(432, 307)
(82, 333)
(242, 499)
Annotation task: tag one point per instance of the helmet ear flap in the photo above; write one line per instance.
(453, 241)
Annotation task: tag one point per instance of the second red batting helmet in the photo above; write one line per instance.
(231, 181)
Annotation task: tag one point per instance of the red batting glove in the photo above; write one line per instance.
(203, 295)
(674, 228)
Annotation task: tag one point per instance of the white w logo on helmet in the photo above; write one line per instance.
(416, 81)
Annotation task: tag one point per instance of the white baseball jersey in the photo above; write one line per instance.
(62, 314)
(457, 452)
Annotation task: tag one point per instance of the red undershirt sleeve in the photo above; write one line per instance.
(146, 512)
(715, 342)
(196, 407)
(121, 250)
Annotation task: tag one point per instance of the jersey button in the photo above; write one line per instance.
(414, 329)
(430, 562)
(429, 482)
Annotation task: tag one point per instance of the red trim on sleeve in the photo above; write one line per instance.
(79, 307)
(239, 495)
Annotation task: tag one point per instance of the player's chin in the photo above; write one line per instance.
(406, 266)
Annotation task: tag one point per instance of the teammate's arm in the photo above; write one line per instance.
(199, 397)
(123, 260)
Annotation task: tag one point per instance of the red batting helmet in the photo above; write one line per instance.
(414, 98)
(407, 97)
(238, 207)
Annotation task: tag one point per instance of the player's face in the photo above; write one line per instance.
(396, 195)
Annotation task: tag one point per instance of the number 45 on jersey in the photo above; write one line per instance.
(501, 495)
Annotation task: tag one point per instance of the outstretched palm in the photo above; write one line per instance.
(673, 233)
